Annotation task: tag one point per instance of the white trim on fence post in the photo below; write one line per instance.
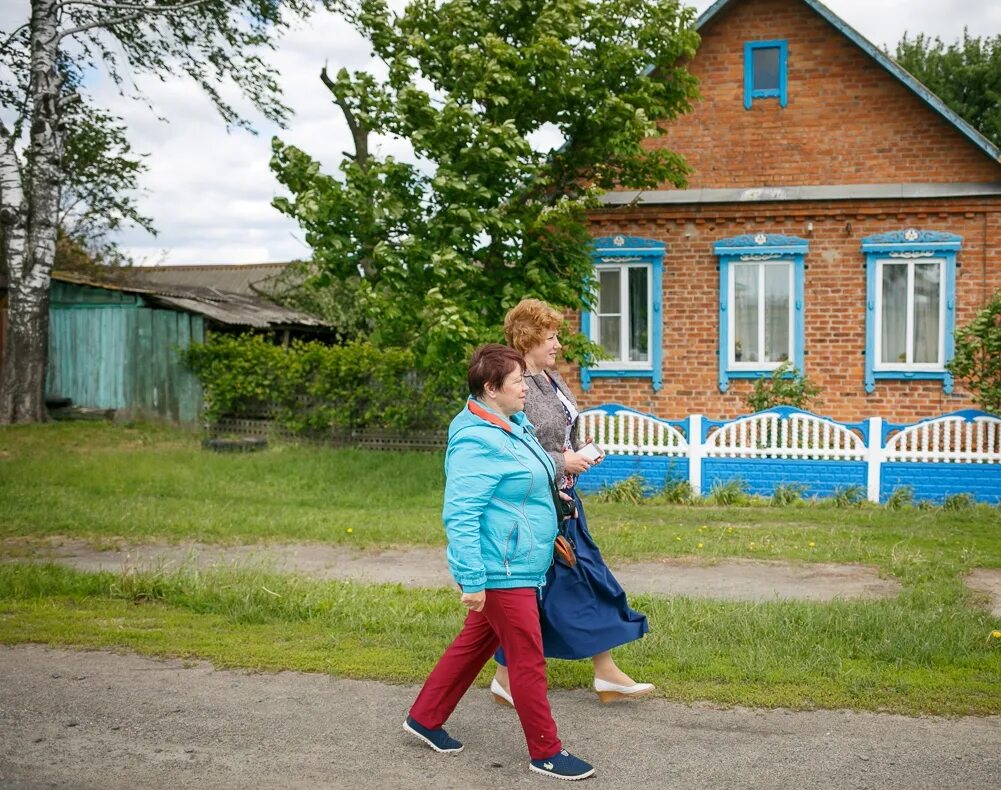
(874, 457)
(695, 453)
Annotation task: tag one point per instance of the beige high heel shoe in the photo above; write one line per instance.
(609, 692)
(501, 697)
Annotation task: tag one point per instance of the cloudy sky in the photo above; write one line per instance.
(209, 191)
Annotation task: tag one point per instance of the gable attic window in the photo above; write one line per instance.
(765, 71)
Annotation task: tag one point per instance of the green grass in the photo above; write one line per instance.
(873, 655)
(100, 481)
(108, 483)
(929, 650)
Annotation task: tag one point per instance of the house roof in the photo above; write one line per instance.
(247, 279)
(222, 307)
(779, 194)
(717, 8)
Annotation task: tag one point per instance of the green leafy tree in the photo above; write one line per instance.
(977, 360)
(100, 185)
(443, 246)
(337, 305)
(966, 75)
(215, 43)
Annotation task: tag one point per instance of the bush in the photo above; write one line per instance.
(732, 492)
(785, 387)
(976, 363)
(959, 502)
(900, 498)
(787, 494)
(848, 496)
(630, 491)
(677, 492)
(308, 387)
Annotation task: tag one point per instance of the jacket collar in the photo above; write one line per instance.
(484, 413)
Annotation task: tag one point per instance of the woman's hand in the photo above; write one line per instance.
(474, 601)
(575, 462)
(600, 458)
(567, 498)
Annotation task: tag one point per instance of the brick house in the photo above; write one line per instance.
(837, 215)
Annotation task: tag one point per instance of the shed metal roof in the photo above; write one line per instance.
(222, 307)
(248, 279)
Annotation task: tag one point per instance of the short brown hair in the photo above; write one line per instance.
(526, 324)
(491, 364)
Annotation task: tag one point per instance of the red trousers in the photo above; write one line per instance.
(510, 618)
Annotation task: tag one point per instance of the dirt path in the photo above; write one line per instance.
(740, 580)
(732, 580)
(99, 720)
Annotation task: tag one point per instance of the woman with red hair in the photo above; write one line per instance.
(584, 610)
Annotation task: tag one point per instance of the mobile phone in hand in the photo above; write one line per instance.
(590, 451)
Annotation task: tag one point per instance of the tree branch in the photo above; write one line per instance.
(12, 35)
(127, 18)
(358, 132)
(133, 6)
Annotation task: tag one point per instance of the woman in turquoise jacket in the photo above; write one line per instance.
(500, 521)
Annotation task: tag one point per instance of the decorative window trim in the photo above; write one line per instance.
(759, 247)
(782, 92)
(904, 245)
(631, 250)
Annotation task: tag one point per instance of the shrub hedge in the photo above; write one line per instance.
(308, 387)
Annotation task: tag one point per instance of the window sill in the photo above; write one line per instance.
(758, 373)
(586, 374)
(910, 375)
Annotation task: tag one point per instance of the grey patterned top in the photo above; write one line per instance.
(544, 410)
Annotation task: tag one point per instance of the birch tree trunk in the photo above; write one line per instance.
(31, 231)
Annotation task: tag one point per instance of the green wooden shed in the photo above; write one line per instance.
(116, 343)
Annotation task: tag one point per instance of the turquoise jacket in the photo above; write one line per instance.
(499, 514)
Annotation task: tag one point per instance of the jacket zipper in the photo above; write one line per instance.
(507, 549)
(524, 501)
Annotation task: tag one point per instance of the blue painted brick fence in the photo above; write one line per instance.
(935, 482)
(762, 475)
(878, 457)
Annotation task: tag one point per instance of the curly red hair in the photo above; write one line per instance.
(528, 322)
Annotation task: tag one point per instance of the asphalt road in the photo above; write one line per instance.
(100, 720)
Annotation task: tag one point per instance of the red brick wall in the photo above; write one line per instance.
(848, 120)
(834, 310)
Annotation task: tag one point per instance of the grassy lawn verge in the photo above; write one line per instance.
(930, 650)
(111, 483)
(895, 656)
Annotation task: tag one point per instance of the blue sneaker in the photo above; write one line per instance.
(563, 765)
(439, 740)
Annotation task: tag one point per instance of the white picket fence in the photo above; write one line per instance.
(773, 435)
(622, 431)
(950, 438)
(784, 433)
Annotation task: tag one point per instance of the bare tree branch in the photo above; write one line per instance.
(145, 11)
(152, 9)
(12, 35)
(358, 132)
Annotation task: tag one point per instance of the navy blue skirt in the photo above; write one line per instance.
(584, 610)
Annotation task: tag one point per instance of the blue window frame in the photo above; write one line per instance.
(625, 318)
(760, 304)
(910, 312)
(765, 67)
